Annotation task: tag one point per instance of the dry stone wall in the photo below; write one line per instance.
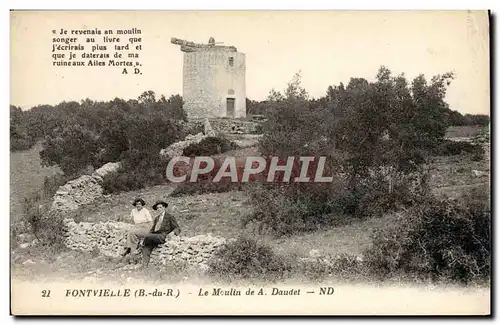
(107, 169)
(177, 148)
(110, 238)
(234, 126)
(82, 190)
(191, 250)
(79, 191)
(212, 126)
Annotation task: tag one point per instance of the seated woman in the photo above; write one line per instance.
(163, 224)
(142, 224)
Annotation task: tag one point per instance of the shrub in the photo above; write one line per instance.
(19, 144)
(209, 146)
(438, 239)
(52, 183)
(293, 208)
(123, 181)
(73, 149)
(374, 198)
(46, 225)
(138, 170)
(128, 178)
(94, 133)
(247, 258)
(20, 139)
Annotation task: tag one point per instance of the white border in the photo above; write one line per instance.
(205, 5)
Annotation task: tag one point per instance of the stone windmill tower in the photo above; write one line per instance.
(213, 80)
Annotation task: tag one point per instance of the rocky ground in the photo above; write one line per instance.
(454, 175)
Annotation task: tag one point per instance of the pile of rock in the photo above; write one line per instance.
(110, 238)
(82, 190)
(177, 148)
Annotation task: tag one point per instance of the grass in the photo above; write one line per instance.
(348, 239)
(26, 176)
(451, 176)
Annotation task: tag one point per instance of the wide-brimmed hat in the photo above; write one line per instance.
(139, 200)
(155, 206)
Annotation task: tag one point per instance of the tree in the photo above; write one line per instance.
(19, 136)
(292, 122)
(373, 134)
(147, 98)
(93, 133)
(390, 123)
(74, 149)
(172, 107)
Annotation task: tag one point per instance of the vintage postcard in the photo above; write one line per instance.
(250, 163)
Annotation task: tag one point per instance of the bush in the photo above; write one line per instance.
(94, 133)
(209, 146)
(123, 181)
(46, 225)
(438, 239)
(374, 198)
(19, 144)
(131, 178)
(20, 139)
(52, 183)
(138, 169)
(287, 209)
(246, 258)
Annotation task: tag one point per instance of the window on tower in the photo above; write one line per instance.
(231, 61)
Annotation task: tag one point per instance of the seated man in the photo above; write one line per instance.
(163, 224)
(142, 224)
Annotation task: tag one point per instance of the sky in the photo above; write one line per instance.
(327, 47)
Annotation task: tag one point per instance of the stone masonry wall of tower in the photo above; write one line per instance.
(214, 84)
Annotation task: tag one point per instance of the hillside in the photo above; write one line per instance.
(26, 176)
(219, 214)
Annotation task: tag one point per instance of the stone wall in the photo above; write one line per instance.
(234, 126)
(191, 250)
(213, 126)
(110, 239)
(82, 190)
(226, 125)
(177, 148)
